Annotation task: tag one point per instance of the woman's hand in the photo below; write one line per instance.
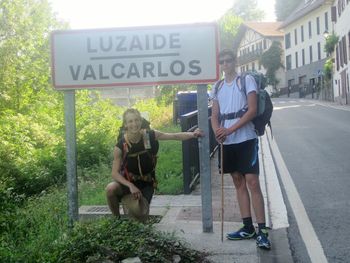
(198, 133)
(136, 193)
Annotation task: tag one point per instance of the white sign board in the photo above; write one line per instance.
(135, 56)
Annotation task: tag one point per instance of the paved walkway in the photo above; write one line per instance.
(185, 220)
(182, 215)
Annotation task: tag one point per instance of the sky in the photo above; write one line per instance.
(83, 14)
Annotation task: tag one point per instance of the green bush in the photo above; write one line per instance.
(331, 42)
(33, 230)
(25, 143)
(120, 239)
(97, 125)
(328, 69)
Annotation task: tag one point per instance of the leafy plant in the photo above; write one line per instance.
(331, 42)
(271, 61)
(328, 69)
(119, 239)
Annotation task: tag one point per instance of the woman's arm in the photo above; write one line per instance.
(180, 136)
(117, 160)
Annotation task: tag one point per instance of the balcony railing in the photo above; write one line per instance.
(251, 56)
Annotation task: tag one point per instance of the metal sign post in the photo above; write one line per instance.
(71, 155)
(204, 159)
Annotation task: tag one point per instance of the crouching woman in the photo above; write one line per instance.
(133, 170)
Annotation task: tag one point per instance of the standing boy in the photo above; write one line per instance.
(240, 146)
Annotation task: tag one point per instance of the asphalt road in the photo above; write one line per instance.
(314, 141)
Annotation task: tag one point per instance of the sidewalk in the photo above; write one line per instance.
(182, 215)
(184, 218)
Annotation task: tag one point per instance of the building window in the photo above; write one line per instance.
(287, 40)
(289, 62)
(264, 43)
(349, 44)
(291, 82)
(334, 14)
(303, 57)
(310, 30)
(318, 25)
(259, 66)
(345, 55)
(253, 66)
(295, 36)
(326, 21)
(310, 50)
(337, 57)
(302, 33)
(341, 56)
(319, 51)
(296, 60)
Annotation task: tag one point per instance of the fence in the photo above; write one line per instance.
(302, 90)
(190, 151)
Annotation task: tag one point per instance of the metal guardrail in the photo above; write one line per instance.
(190, 151)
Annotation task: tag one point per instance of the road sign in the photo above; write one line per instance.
(135, 56)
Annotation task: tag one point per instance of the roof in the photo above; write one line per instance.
(267, 29)
(304, 9)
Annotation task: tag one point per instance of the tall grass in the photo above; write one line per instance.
(35, 228)
(33, 231)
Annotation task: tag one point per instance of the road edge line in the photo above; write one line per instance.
(307, 232)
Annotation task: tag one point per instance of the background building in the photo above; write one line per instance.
(304, 44)
(341, 17)
(253, 39)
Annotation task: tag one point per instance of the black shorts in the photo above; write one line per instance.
(241, 157)
(146, 189)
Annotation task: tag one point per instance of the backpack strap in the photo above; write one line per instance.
(149, 177)
(124, 164)
(218, 86)
(242, 83)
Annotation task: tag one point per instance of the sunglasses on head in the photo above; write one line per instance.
(228, 61)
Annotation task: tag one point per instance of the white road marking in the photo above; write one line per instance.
(277, 207)
(292, 106)
(307, 232)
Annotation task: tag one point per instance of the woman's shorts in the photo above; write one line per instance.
(241, 157)
(146, 189)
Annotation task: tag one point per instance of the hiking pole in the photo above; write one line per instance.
(222, 190)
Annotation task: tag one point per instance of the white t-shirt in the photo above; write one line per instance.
(231, 99)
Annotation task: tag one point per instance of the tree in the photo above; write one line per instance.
(283, 8)
(271, 61)
(247, 10)
(228, 27)
(25, 26)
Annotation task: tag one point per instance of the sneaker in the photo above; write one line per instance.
(243, 233)
(262, 240)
